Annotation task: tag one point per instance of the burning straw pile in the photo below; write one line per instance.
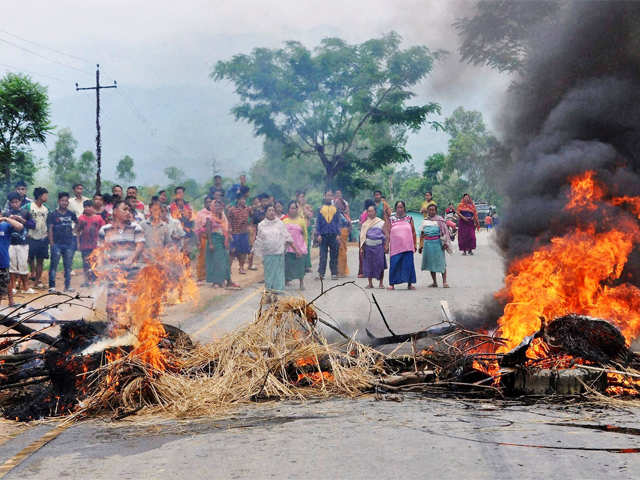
(280, 355)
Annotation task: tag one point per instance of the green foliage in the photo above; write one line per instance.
(125, 170)
(24, 118)
(282, 176)
(66, 169)
(325, 103)
(175, 174)
(497, 35)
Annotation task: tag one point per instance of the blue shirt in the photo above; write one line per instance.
(5, 240)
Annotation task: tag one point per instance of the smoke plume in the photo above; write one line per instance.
(575, 108)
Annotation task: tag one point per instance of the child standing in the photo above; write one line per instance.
(60, 224)
(87, 228)
(7, 227)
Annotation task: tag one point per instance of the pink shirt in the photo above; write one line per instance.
(298, 238)
(401, 236)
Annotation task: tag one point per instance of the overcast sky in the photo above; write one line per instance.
(166, 110)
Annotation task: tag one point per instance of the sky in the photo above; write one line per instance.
(167, 111)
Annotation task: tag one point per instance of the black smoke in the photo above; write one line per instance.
(576, 107)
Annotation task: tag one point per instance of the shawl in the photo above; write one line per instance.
(201, 220)
(299, 220)
(271, 238)
(444, 232)
(220, 225)
(367, 224)
(328, 212)
(468, 207)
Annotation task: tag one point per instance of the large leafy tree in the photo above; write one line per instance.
(24, 118)
(331, 103)
(499, 32)
(125, 170)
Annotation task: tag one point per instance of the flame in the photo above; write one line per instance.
(577, 273)
(136, 302)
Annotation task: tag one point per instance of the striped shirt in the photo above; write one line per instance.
(239, 219)
(120, 244)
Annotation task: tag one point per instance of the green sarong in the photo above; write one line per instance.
(294, 267)
(217, 261)
(274, 272)
(433, 259)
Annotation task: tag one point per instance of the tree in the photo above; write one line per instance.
(175, 174)
(125, 169)
(498, 34)
(24, 118)
(326, 103)
(66, 169)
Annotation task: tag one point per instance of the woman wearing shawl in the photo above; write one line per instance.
(372, 241)
(434, 240)
(217, 257)
(363, 218)
(401, 246)
(201, 234)
(294, 261)
(343, 238)
(467, 225)
(271, 240)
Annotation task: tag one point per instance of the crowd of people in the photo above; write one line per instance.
(233, 227)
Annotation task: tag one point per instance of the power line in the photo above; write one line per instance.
(13, 67)
(44, 46)
(42, 56)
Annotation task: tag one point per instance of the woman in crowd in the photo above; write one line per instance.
(372, 243)
(279, 209)
(271, 240)
(345, 226)
(363, 218)
(217, 256)
(202, 236)
(401, 246)
(434, 240)
(295, 259)
(467, 224)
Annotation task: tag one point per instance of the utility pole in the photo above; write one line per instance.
(97, 88)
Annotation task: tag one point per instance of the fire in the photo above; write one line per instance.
(577, 273)
(136, 301)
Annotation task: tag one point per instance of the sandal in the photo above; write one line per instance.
(411, 287)
(252, 268)
(242, 272)
(369, 286)
(233, 286)
(390, 287)
(433, 285)
(445, 285)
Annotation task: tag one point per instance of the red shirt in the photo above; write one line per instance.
(239, 219)
(89, 228)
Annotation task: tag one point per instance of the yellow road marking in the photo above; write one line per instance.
(26, 452)
(228, 311)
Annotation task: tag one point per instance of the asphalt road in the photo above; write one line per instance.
(368, 437)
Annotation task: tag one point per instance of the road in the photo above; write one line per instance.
(390, 437)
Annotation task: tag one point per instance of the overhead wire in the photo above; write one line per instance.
(24, 49)
(59, 52)
(32, 72)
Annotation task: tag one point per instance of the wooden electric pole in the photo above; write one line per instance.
(97, 88)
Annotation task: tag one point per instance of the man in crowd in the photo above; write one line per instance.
(99, 207)
(87, 228)
(132, 191)
(60, 223)
(217, 187)
(19, 248)
(132, 202)
(181, 210)
(38, 237)
(116, 192)
(328, 229)
(7, 227)
(21, 190)
(76, 204)
(163, 198)
(239, 219)
(156, 231)
(238, 190)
